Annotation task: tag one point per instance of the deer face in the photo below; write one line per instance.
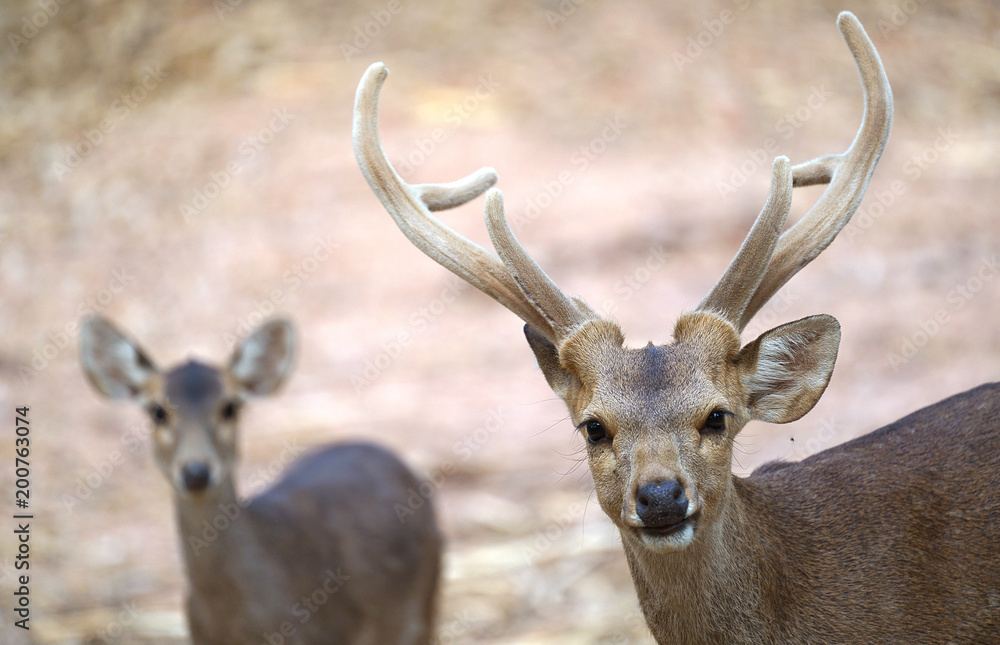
(194, 407)
(194, 415)
(660, 422)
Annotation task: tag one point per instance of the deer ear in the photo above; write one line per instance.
(113, 362)
(261, 362)
(787, 368)
(558, 377)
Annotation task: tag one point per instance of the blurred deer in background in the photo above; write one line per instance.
(321, 556)
(891, 537)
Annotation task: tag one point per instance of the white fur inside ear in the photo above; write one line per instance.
(115, 364)
(261, 363)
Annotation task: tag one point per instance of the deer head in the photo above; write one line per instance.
(194, 406)
(660, 421)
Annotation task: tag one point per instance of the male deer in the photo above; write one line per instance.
(321, 556)
(892, 537)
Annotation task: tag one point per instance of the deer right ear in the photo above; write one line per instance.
(114, 363)
(558, 377)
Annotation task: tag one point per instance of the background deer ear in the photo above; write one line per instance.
(113, 362)
(558, 378)
(261, 362)
(787, 368)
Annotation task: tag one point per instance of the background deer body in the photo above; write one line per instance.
(319, 557)
(888, 538)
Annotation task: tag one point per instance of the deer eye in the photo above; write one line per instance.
(158, 414)
(715, 422)
(595, 431)
(230, 410)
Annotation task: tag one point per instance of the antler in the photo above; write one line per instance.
(766, 262)
(516, 281)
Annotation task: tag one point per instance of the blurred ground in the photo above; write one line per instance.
(186, 169)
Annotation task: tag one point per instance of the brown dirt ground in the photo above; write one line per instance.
(642, 230)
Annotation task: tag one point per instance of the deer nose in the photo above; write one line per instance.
(196, 475)
(661, 503)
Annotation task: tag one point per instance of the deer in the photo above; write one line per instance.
(892, 537)
(322, 555)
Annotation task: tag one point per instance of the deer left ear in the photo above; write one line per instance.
(787, 368)
(261, 362)
(558, 377)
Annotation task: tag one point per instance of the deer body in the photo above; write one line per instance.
(888, 538)
(319, 557)
(884, 539)
(364, 587)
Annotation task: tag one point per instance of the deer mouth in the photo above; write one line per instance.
(668, 530)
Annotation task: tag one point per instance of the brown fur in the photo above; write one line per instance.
(890, 538)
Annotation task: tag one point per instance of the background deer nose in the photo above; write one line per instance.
(195, 476)
(661, 503)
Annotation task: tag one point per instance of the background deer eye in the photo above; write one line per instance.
(595, 431)
(715, 422)
(158, 414)
(229, 410)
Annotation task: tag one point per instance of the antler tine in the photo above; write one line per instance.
(410, 207)
(439, 197)
(848, 173)
(730, 295)
(564, 314)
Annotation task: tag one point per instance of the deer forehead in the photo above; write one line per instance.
(194, 388)
(658, 384)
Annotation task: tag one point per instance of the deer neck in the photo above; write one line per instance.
(712, 591)
(218, 539)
